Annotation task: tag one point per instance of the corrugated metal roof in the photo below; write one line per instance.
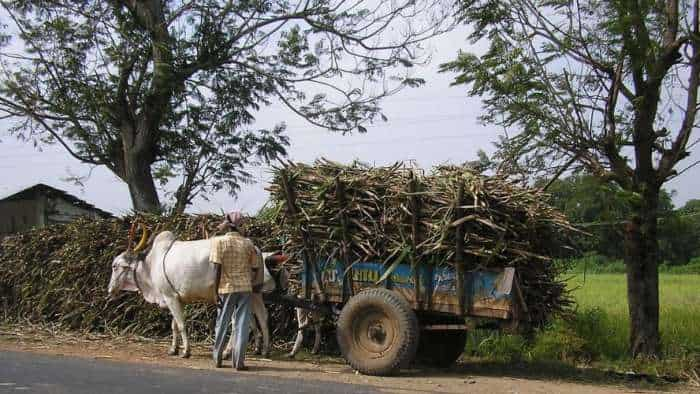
(46, 190)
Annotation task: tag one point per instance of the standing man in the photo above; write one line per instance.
(237, 265)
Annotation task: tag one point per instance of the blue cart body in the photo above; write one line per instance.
(487, 293)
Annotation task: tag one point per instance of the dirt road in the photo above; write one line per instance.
(460, 379)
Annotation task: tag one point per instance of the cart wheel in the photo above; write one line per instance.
(441, 348)
(378, 332)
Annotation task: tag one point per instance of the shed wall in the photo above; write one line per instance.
(22, 215)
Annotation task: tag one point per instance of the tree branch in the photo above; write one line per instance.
(678, 152)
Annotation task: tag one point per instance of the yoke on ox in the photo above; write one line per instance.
(175, 273)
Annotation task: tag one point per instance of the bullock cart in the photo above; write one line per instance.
(385, 322)
(389, 315)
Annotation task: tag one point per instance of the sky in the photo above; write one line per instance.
(433, 124)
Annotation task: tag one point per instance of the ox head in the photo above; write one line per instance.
(125, 264)
(278, 273)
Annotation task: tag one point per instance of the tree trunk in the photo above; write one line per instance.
(641, 260)
(181, 200)
(142, 188)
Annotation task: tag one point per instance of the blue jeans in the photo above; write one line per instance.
(236, 305)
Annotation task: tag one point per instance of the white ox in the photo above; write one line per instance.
(176, 273)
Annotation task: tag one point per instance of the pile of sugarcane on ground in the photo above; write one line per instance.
(59, 275)
(401, 214)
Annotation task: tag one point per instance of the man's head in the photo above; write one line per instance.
(231, 222)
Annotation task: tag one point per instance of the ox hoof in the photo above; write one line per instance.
(186, 354)
(290, 355)
(172, 351)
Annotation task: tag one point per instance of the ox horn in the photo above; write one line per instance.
(144, 239)
(130, 239)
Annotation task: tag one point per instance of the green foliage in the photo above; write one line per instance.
(593, 326)
(170, 89)
(558, 341)
(679, 237)
(582, 337)
(596, 206)
(497, 346)
(693, 267)
(691, 207)
(547, 73)
(592, 263)
(601, 210)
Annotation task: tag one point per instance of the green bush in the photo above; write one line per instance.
(597, 264)
(582, 337)
(596, 327)
(558, 341)
(693, 267)
(594, 264)
(497, 346)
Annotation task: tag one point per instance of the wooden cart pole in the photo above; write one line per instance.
(347, 288)
(308, 256)
(459, 247)
(414, 203)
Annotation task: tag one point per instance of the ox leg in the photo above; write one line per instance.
(173, 347)
(315, 319)
(265, 331)
(179, 316)
(302, 320)
(260, 329)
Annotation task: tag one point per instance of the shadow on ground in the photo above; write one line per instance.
(557, 371)
(546, 371)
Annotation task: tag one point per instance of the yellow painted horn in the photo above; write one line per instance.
(144, 239)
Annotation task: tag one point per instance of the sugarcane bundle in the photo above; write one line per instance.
(398, 213)
(59, 275)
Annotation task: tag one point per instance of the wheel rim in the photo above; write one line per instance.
(374, 332)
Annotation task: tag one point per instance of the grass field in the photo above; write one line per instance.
(597, 333)
(679, 309)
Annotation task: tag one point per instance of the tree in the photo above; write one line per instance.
(678, 239)
(140, 86)
(682, 233)
(596, 206)
(691, 208)
(601, 208)
(609, 86)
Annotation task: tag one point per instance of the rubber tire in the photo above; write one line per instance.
(441, 348)
(401, 351)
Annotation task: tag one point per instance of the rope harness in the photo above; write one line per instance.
(165, 274)
(128, 268)
(136, 278)
(134, 268)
